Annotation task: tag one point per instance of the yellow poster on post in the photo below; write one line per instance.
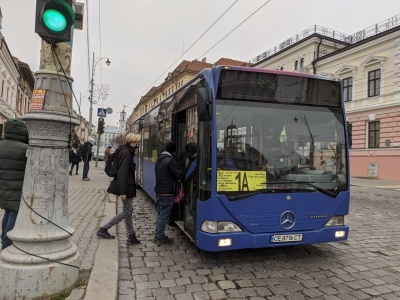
(241, 181)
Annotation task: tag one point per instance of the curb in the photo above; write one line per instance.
(103, 281)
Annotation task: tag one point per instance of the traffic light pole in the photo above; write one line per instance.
(100, 131)
(98, 147)
(43, 263)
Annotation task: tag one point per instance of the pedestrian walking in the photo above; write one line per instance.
(86, 154)
(167, 173)
(74, 157)
(107, 154)
(124, 186)
(12, 171)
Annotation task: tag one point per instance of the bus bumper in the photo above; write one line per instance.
(245, 240)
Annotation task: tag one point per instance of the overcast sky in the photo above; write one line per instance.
(143, 38)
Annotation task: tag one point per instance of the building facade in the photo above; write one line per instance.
(368, 62)
(16, 84)
(182, 74)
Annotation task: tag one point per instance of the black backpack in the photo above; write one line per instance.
(111, 167)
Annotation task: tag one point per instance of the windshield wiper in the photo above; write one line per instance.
(258, 192)
(273, 190)
(319, 189)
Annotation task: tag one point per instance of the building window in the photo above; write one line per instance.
(301, 62)
(374, 83)
(348, 89)
(374, 129)
(281, 68)
(296, 64)
(350, 134)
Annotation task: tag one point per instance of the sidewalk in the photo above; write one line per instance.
(89, 206)
(377, 183)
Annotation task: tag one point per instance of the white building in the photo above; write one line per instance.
(368, 62)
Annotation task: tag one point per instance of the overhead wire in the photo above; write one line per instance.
(240, 24)
(154, 81)
(128, 106)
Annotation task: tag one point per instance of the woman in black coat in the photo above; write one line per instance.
(74, 157)
(124, 186)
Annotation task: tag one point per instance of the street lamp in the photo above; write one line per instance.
(108, 62)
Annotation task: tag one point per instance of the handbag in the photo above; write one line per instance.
(179, 193)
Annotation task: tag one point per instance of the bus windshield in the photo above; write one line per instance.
(272, 147)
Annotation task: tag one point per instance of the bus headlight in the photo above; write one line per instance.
(220, 227)
(335, 221)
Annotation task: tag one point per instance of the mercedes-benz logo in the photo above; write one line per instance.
(288, 219)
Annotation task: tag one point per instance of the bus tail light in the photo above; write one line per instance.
(335, 221)
(220, 227)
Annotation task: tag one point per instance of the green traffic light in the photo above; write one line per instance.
(54, 20)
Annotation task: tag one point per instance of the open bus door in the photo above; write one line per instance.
(185, 131)
(139, 155)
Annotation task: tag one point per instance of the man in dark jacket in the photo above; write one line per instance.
(124, 186)
(12, 171)
(86, 152)
(167, 173)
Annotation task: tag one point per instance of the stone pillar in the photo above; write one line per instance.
(42, 263)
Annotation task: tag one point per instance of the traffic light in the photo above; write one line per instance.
(54, 20)
(100, 127)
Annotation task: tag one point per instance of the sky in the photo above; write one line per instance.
(146, 39)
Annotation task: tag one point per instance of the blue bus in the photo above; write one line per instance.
(271, 166)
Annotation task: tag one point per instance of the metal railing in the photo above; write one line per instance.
(6, 109)
(316, 29)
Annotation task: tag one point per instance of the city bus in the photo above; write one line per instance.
(271, 166)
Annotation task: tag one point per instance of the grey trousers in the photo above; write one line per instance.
(125, 214)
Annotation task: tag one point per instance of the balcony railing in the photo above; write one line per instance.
(316, 29)
(6, 109)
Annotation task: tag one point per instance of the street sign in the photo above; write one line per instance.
(38, 99)
(102, 112)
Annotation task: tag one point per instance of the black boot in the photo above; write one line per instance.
(132, 240)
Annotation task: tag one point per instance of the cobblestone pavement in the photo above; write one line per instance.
(86, 208)
(367, 266)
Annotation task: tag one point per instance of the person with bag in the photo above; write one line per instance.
(124, 186)
(86, 154)
(12, 172)
(167, 173)
(107, 154)
(74, 158)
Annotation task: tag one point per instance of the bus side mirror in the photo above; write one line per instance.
(204, 104)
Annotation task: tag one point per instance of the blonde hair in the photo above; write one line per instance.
(132, 137)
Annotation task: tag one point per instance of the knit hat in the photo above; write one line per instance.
(170, 147)
(15, 129)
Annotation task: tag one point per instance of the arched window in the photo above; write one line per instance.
(296, 64)
(302, 62)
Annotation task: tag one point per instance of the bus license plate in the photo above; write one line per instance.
(286, 238)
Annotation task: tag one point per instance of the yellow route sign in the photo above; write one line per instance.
(238, 181)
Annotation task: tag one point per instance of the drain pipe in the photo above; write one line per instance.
(314, 62)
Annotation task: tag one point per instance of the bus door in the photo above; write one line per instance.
(186, 140)
(139, 155)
